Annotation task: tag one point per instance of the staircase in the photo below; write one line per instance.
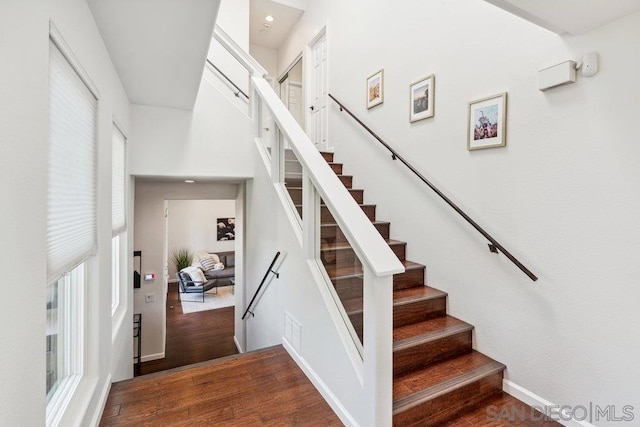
(437, 376)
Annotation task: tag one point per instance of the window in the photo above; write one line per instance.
(118, 211)
(115, 273)
(64, 332)
(118, 182)
(71, 221)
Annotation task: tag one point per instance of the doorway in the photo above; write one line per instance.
(291, 91)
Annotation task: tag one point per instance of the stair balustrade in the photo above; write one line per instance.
(299, 171)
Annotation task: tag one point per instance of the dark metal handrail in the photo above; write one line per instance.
(239, 91)
(269, 270)
(494, 246)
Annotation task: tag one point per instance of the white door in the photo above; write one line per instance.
(319, 112)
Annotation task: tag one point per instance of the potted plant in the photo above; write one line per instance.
(181, 258)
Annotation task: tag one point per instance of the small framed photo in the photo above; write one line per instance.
(421, 99)
(487, 125)
(375, 89)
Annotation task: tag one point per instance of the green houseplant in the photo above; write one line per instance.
(181, 258)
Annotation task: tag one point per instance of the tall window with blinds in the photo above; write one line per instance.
(71, 220)
(71, 207)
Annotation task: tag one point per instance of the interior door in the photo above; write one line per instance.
(319, 111)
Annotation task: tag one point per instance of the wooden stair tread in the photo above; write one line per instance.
(428, 330)
(348, 272)
(416, 387)
(401, 297)
(404, 296)
(333, 224)
(324, 206)
(477, 415)
(352, 305)
(345, 245)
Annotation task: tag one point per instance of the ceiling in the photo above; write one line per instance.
(569, 16)
(285, 13)
(158, 47)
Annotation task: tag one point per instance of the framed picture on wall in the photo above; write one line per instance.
(487, 122)
(375, 89)
(226, 229)
(421, 95)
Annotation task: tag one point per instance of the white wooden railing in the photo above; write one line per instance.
(372, 361)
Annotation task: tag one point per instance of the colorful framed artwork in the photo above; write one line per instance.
(375, 89)
(487, 122)
(421, 95)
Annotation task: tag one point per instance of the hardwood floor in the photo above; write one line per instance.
(193, 337)
(264, 387)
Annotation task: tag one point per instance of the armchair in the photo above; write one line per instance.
(186, 285)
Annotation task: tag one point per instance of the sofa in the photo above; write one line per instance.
(225, 276)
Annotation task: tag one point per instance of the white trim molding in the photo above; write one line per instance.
(320, 385)
(102, 402)
(559, 413)
(150, 357)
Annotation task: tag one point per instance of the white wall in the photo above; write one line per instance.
(268, 58)
(193, 225)
(562, 196)
(213, 140)
(149, 238)
(24, 41)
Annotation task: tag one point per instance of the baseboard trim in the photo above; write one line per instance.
(150, 357)
(238, 346)
(320, 385)
(541, 404)
(102, 402)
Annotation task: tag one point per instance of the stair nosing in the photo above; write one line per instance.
(340, 246)
(410, 267)
(419, 397)
(415, 298)
(333, 224)
(432, 336)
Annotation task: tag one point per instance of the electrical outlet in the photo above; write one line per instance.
(150, 298)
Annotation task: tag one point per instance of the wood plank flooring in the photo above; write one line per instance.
(193, 337)
(262, 388)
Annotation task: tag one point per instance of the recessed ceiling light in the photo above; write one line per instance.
(268, 18)
(189, 181)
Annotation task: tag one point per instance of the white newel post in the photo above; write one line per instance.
(378, 347)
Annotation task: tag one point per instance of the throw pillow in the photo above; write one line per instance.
(218, 266)
(207, 263)
(196, 275)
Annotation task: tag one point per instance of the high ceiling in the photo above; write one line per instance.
(285, 13)
(569, 16)
(158, 47)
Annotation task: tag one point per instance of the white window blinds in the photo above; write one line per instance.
(118, 184)
(71, 204)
